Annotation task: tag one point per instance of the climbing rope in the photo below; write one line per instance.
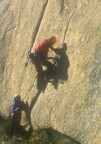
(29, 88)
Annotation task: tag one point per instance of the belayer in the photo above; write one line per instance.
(17, 107)
(39, 56)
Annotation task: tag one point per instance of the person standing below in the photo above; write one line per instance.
(17, 107)
(39, 56)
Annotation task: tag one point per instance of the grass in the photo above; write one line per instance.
(41, 136)
(37, 137)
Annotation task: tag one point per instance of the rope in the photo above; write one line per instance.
(30, 88)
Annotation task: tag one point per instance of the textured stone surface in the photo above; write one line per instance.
(72, 103)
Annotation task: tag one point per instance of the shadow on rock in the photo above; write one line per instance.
(54, 137)
(61, 65)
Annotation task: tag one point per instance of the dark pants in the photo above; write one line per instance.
(17, 129)
(49, 66)
(38, 61)
(15, 124)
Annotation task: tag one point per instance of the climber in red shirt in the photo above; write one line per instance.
(39, 55)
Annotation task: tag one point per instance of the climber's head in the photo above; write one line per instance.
(52, 40)
(17, 98)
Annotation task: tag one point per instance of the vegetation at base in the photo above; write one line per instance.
(4, 129)
(41, 136)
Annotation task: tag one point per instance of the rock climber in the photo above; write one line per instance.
(39, 55)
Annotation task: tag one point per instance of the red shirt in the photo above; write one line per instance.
(42, 48)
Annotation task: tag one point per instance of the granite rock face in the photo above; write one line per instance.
(70, 102)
